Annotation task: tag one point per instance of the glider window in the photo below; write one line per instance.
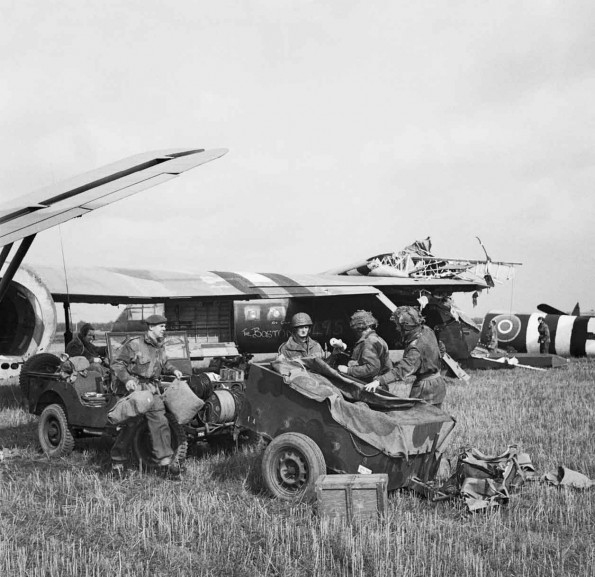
(276, 314)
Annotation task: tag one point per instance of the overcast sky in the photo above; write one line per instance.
(354, 128)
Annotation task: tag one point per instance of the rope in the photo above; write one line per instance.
(359, 450)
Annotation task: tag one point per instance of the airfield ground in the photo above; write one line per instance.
(69, 517)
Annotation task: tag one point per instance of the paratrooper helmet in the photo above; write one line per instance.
(301, 320)
(407, 317)
(361, 320)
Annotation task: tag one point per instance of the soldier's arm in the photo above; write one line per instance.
(406, 367)
(369, 365)
(119, 365)
(168, 368)
(282, 350)
(317, 351)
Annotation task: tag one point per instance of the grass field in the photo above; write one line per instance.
(69, 517)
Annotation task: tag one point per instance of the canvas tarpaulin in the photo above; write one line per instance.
(395, 426)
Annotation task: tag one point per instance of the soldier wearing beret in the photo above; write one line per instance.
(421, 358)
(138, 366)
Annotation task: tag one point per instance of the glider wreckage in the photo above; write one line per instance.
(224, 313)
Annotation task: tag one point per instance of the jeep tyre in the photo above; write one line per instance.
(55, 437)
(290, 466)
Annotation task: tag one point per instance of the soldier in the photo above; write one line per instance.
(421, 358)
(370, 353)
(544, 337)
(138, 366)
(493, 344)
(82, 346)
(300, 344)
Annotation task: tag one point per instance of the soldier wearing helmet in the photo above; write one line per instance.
(421, 358)
(300, 344)
(138, 367)
(370, 353)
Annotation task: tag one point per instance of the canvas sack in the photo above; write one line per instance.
(181, 402)
(133, 405)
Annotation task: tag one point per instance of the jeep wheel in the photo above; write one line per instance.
(142, 448)
(55, 437)
(290, 466)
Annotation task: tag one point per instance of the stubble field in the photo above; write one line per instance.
(70, 517)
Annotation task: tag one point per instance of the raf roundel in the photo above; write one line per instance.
(508, 326)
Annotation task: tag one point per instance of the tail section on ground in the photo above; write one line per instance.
(570, 335)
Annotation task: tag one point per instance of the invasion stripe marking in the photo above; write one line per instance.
(563, 334)
(240, 283)
(578, 339)
(292, 287)
(590, 343)
(255, 278)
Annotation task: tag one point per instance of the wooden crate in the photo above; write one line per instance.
(352, 496)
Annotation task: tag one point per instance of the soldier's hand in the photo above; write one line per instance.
(131, 385)
(371, 387)
(178, 374)
(343, 369)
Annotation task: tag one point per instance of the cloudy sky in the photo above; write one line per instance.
(354, 127)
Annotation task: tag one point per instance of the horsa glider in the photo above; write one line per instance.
(227, 312)
(27, 309)
(223, 312)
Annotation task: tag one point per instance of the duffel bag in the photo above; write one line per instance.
(135, 404)
(181, 402)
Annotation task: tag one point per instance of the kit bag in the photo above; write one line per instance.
(181, 402)
(133, 405)
(486, 480)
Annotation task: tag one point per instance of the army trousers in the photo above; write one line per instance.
(159, 432)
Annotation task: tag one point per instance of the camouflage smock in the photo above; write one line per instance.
(421, 358)
(371, 356)
(141, 358)
(293, 349)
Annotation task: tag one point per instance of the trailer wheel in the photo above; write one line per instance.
(40, 363)
(55, 437)
(142, 448)
(290, 466)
